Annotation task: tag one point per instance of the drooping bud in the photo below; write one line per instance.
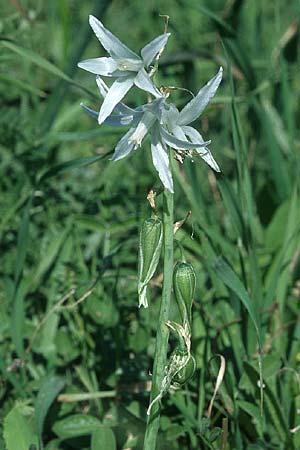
(149, 253)
(184, 282)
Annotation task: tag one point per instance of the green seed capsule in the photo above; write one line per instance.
(149, 253)
(184, 281)
(179, 369)
(186, 373)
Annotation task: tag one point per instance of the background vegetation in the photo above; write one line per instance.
(69, 322)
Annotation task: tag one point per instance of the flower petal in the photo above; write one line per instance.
(205, 153)
(153, 48)
(178, 132)
(120, 120)
(124, 147)
(178, 144)
(110, 42)
(113, 121)
(90, 111)
(115, 94)
(120, 108)
(102, 86)
(161, 161)
(100, 66)
(196, 106)
(144, 125)
(170, 115)
(144, 82)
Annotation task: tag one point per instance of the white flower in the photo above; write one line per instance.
(177, 121)
(126, 66)
(143, 120)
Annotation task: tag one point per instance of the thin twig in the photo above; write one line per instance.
(69, 398)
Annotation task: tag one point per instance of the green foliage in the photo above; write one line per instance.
(103, 438)
(17, 428)
(48, 391)
(76, 425)
(72, 340)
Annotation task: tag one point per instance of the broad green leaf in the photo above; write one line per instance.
(17, 428)
(76, 425)
(103, 438)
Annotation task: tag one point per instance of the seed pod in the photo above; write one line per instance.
(178, 360)
(149, 253)
(184, 281)
(185, 373)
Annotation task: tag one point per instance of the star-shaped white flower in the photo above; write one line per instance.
(177, 121)
(146, 119)
(125, 65)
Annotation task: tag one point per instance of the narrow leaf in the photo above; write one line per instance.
(46, 396)
(72, 164)
(232, 281)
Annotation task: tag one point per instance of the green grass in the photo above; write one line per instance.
(69, 322)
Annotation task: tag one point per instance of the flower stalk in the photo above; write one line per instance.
(171, 135)
(162, 337)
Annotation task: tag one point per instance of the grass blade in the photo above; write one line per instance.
(231, 280)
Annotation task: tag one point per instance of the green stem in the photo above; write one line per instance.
(162, 335)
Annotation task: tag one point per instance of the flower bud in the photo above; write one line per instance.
(149, 253)
(184, 281)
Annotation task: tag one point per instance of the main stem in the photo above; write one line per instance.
(162, 335)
